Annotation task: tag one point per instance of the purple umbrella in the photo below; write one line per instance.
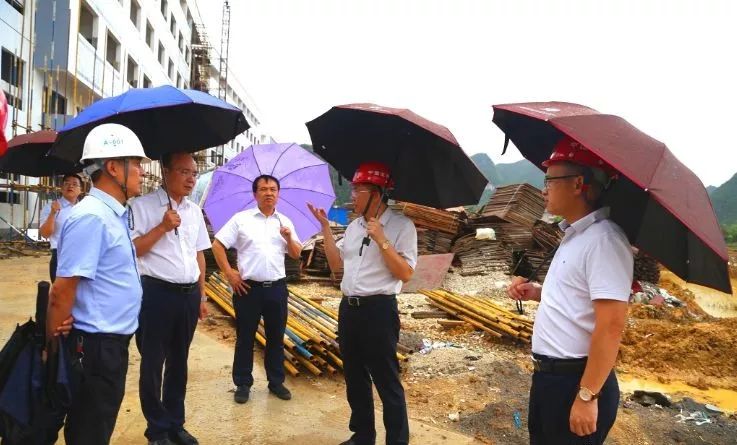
(303, 178)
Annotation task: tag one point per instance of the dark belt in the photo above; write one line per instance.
(362, 301)
(123, 338)
(266, 283)
(552, 365)
(183, 288)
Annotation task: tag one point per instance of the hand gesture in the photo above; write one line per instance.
(521, 289)
(171, 220)
(64, 328)
(203, 310)
(55, 206)
(239, 286)
(319, 215)
(375, 230)
(286, 233)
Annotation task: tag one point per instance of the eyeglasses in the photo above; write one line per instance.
(187, 172)
(553, 178)
(70, 184)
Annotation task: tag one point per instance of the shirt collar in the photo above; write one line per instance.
(65, 202)
(258, 212)
(111, 202)
(164, 198)
(585, 222)
(383, 220)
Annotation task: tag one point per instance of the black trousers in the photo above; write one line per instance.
(52, 265)
(368, 336)
(271, 303)
(551, 398)
(98, 382)
(166, 327)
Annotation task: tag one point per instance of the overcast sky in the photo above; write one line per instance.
(669, 67)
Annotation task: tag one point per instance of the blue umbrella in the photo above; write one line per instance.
(166, 119)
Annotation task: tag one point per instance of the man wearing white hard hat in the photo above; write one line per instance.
(98, 284)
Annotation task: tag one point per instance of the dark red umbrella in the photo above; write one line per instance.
(661, 204)
(427, 164)
(26, 155)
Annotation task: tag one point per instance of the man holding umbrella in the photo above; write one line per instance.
(368, 326)
(172, 267)
(262, 236)
(56, 212)
(98, 284)
(583, 305)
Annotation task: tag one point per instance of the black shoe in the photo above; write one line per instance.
(241, 394)
(182, 437)
(281, 391)
(354, 442)
(164, 441)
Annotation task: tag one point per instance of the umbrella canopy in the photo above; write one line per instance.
(427, 164)
(661, 204)
(3, 122)
(26, 155)
(303, 178)
(165, 119)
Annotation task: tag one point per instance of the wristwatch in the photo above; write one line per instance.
(385, 245)
(203, 299)
(586, 394)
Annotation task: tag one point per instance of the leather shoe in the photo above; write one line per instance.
(242, 392)
(164, 441)
(182, 437)
(281, 391)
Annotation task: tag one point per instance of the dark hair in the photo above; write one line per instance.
(72, 175)
(265, 178)
(168, 157)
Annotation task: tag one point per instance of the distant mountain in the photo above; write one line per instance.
(710, 189)
(724, 200)
(504, 174)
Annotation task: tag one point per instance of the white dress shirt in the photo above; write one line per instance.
(174, 257)
(594, 261)
(367, 274)
(62, 216)
(258, 241)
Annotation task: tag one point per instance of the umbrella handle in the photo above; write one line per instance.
(166, 189)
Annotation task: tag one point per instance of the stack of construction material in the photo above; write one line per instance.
(311, 335)
(479, 257)
(433, 219)
(546, 235)
(646, 268)
(315, 259)
(431, 242)
(482, 314)
(521, 204)
(513, 235)
(293, 268)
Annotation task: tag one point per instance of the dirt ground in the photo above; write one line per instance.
(469, 389)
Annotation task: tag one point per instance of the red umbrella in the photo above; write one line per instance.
(27, 155)
(662, 205)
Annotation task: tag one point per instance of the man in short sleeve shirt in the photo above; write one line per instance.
(98, 284)
(583, 305)
(368, 323)
(170, 245)
(261, 236)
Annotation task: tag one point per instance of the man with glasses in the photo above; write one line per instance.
(55, 213)
(170, 236)
(583, 305)
(261, 236)
(377, 254)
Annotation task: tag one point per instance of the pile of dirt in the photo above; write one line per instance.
(667, 349)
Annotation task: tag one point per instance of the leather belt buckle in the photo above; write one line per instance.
(354, 301)
(267, 283)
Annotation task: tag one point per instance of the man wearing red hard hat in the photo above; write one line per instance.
(583, 304)
(377, 254)
(3, 123)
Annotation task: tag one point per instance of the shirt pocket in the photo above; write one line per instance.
(189, 235)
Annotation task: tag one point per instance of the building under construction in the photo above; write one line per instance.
(59, 56)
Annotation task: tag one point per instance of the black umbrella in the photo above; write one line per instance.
(34, 395)
(427, 164)
(26, 156)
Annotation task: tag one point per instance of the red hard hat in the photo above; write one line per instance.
(568, 150)
(374, 173)
(3, 122)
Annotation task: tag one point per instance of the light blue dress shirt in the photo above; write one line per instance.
(66, 208)
(95, 245)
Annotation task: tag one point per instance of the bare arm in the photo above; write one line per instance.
(48, 226)
(398, 266)
(331, 249)
(203, 296)
(232, 275)
(145, 243)
(608, 327)
(61, 301)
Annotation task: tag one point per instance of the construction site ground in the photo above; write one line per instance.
(466, 389)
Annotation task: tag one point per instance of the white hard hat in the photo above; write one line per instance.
(112, 141)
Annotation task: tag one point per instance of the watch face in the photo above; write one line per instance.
(585, 394)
